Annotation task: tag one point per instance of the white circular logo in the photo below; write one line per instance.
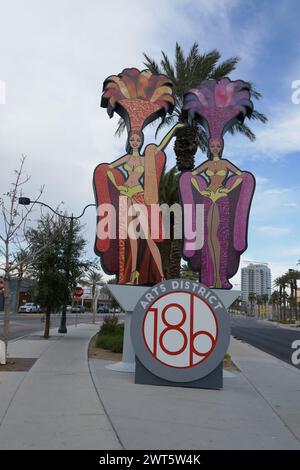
(180, 329)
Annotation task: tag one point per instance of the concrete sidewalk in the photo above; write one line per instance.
(55, 404)
(241, 416)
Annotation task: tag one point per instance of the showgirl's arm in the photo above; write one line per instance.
(169, 136)
(119, 162)
(116, 164)
(203, 192)
(234, 169)
(200, 168)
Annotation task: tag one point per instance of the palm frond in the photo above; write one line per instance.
(243, 129)
(121, 127)
(259, 116)
(192, 57)
(201, 137)
(168, 68)
(224, 69)
(180, 65)
(254, 93)
(152, 65)
(204, 67)
(165, 122)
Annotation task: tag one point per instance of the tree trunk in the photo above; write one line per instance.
(47, 323)
(185, 149)
(175, 259)
(165, 249)
(7, 299)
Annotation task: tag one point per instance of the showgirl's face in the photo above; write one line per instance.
(215, 148)
(135, 141)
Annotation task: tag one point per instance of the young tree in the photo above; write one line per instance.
(59, 265)
(13, 220)
(94, 279)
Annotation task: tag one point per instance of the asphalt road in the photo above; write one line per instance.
(271, 339)
(26, 324)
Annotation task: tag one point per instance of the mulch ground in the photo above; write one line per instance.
(105, 354)
(17, 364)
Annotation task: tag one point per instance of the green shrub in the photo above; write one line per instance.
(110, 335)
(112, 342)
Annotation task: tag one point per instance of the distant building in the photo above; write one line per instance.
(17, 300)
(256, 278)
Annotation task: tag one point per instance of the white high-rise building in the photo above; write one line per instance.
(256, 278)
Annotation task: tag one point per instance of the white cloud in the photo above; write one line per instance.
(291, 251)
(274, 231)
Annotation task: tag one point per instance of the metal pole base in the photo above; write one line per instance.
(62, 330)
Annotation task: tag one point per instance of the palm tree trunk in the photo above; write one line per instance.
(185, 149)
(175, 259)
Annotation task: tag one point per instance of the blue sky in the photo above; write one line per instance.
(54, 56)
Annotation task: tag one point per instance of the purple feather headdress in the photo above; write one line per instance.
(218, 105)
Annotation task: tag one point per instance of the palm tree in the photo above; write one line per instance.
(275, 301)
(265, 299)
(252, 299)
(282, 283)
(94, 278)
(170, 248)
(187, 72)
(291, 278)
(187, 273)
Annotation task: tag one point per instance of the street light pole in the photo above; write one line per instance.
(63, 321)
(25, 201)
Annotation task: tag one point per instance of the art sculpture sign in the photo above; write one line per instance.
(184, 336)
(181, 336)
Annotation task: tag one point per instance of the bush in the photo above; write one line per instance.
(110, 320)
(112, 342)
(111, 334)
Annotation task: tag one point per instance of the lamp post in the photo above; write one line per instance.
(25, 201)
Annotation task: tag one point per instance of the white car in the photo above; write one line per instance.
(29, 307)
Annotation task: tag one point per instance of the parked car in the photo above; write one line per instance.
(78, 309)
(102, 310)
(29, 307)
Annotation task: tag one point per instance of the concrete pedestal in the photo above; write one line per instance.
(127, 297)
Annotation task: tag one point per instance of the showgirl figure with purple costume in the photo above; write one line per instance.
(224, 190)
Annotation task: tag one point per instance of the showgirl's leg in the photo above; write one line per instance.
(133, 246)
(156, 255)
(154, 250)
(213, 242)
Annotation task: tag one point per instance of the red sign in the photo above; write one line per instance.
(1, 286)
(78, 292)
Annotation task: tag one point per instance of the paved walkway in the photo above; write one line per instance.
(56, 405)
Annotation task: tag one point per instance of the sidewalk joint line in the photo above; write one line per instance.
(265, 399)
(105, 410)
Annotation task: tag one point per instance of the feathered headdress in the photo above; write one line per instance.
(138, 97)
(218, 105)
